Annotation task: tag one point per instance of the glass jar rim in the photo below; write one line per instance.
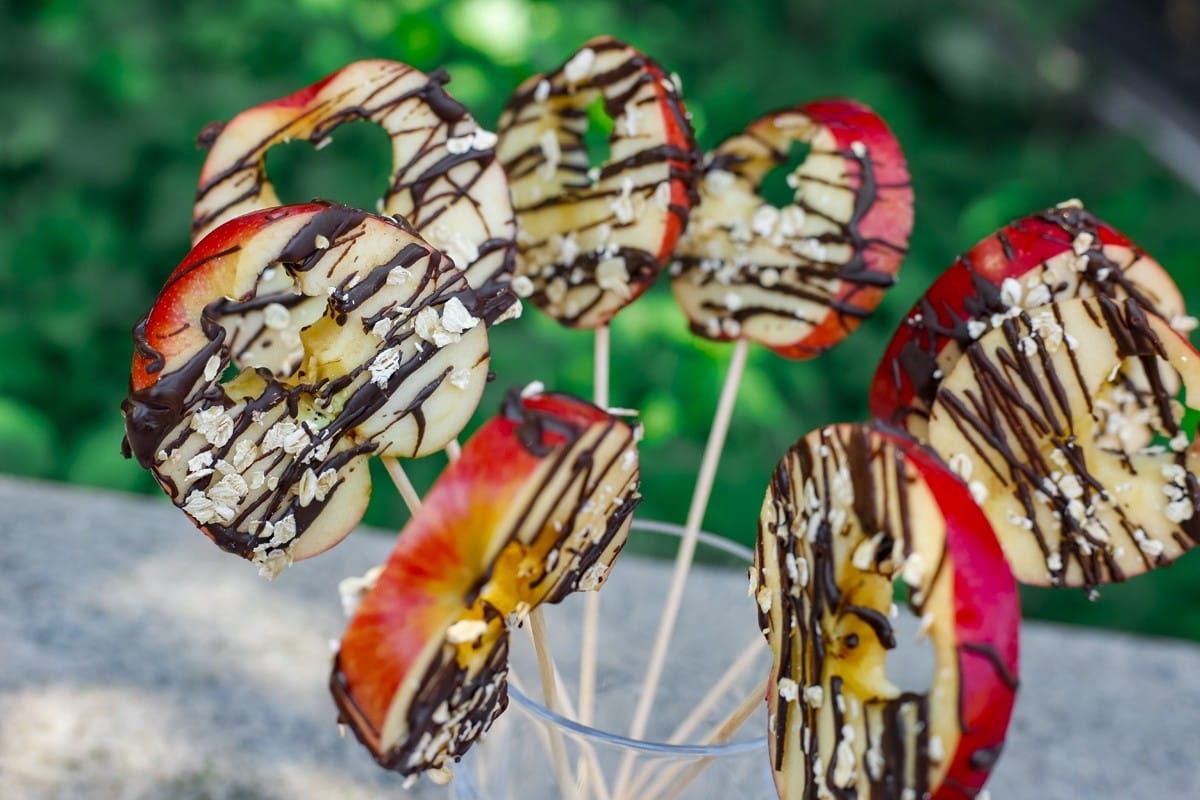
(574, 727)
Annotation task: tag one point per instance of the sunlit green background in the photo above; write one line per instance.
(102, 101)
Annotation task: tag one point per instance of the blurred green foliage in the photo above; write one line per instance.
(102, 101)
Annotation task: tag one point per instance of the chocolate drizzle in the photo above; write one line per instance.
(570, 515)
(636, 229)
(245, 463)
(779, 276)
(836, 531)
(938, 327)
(460, 196)
(1032, 422)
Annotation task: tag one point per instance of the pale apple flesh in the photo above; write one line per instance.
(538, 505)
(852, 509)
(445, 181)
(1032, 417)
(593, 239)
(796, 279)
(1056, 254)
(349, 337)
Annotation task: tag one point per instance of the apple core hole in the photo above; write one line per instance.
(775, 188)
(597, 135)
(353, 167)
(1128, 419)
(912, 665)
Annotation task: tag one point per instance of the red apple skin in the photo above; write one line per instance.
(882, 232)
(203, 275)
(682, 144)
(968, 290)
(445, 568)
(987, 622)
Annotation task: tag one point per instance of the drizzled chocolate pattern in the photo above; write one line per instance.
(593, 239)
(1056, 254)
(1033, 416)
(573, 517)
(553, 529)
(445, 181)
(349, 337)
(847, 514)
(796, 279)
(462, 691)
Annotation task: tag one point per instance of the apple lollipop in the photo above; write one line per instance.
(1053, 255)
(537, 506)
(796, 279)
(445, 181)
(350, 337)
(850, 510)
(1027, 415)
(593, 240)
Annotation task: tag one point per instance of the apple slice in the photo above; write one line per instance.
(1032, 416)
(1059, 253)
(850, 509)
(592, 240)
(800, 278)
(352, 337)
(537, 506)
(445, 180)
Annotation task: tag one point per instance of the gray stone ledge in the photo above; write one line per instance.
(137, 661)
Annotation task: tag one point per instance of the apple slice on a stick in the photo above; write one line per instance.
(796, 279)
(538, 505)
(1053, 255)
(593, 239)
(1032, 416)
(350, 337)
(851, 510)
(446, 181)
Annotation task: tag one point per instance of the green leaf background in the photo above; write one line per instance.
(103, 100)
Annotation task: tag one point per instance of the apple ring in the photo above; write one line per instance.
(796, 279)
(538, 505)
(1057, 254)
(445, 180)
(1023, 416)
(352, 338)
(592, 240)
(850, 510)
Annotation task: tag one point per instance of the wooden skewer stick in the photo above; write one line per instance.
(720, 734)
(408, 492)
(687, 550)
(732, 674)
(591, 602)
(537, 631)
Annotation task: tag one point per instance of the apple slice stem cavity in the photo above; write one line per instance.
(850, 510)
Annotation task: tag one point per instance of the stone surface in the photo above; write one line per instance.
(138, 661)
